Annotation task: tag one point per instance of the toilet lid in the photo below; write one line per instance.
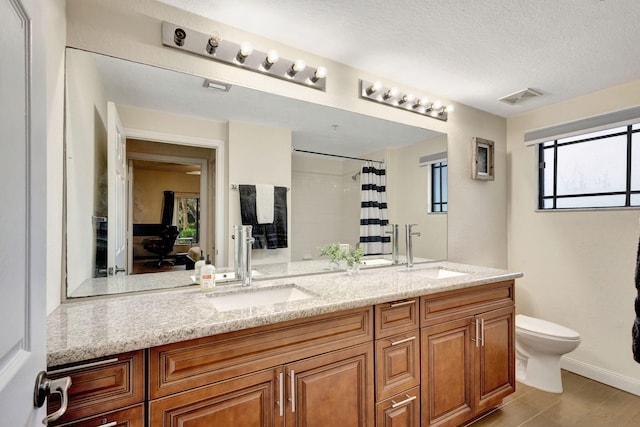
(544, 327)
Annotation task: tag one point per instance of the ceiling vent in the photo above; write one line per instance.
(520, 96)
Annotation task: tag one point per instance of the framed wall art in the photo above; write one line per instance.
(482, 161)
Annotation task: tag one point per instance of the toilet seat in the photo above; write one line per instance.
(544, 328)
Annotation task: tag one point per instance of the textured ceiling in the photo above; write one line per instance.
(469, 51)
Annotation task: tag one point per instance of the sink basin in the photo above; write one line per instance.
(376, 262)
(257, 298)
(436, 273)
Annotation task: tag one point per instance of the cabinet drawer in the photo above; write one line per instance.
(130, 417)
(101, 385)
(401, 410)
(395, 317)
(446, 306)
(397, 364)
(252, 400)
(187, 365)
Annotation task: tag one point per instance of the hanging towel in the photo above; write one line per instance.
(248, 214)
(264, 203)
(276, 232)
(635, 330)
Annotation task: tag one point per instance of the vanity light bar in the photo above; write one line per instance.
(242, 55)
(377, 92)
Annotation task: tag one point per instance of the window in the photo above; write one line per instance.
(595, 170)
(187, 216)
(439, 187)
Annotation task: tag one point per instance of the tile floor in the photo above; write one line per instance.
(584, 403)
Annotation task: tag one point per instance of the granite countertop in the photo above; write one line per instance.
(88, 328)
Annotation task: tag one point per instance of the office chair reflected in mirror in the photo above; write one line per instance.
(163, 245)
(167, 234)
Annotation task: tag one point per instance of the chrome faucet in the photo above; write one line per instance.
(409, 235)
(395, 231)
(242, 253)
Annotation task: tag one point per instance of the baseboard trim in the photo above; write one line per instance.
(630, 385)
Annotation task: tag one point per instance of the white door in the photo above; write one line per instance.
(117, 198)
(22, 209)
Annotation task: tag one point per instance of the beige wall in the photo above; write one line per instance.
(578, 265)
(86, 182)
(148, 192)
(259, 155)
(323, 197)
(410, 207)
(56, 26)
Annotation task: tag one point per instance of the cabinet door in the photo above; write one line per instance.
(334, 389)
(252, 400)
(447, 355)
(495, 358)
(402, 410)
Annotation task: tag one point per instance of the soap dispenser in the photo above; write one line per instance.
(198, 266)
(207, 276)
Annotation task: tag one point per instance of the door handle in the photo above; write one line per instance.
(281, 394)
(292, 398)
(477, 336)
(46, 386)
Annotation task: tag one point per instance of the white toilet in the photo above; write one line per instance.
(539, 346)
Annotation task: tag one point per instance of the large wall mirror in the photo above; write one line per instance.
(150, 150)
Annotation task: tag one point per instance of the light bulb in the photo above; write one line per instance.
(272, 58)
(299, 65)
(405, 98)
(213, 43)
(449, 108)
(245, 50)
(391, 93)
(437, 105)
(376, 86)
(320, 73)
(296, 67)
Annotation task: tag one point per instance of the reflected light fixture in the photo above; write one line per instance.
(392, 97)
(243, 55)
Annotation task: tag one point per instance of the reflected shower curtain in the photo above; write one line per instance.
(373, 209)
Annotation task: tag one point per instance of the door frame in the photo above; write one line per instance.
(220, 178)
(204, 195)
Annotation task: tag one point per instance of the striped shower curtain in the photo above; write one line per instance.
(373, 209)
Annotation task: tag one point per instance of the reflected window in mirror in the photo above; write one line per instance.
(439, 197)
(187, 217)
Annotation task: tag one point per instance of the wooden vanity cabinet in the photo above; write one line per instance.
(310, 372)
(468, 360)
(397, 347)
(106, 391)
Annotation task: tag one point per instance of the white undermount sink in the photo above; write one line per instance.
(436, 273)
(255, 298)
